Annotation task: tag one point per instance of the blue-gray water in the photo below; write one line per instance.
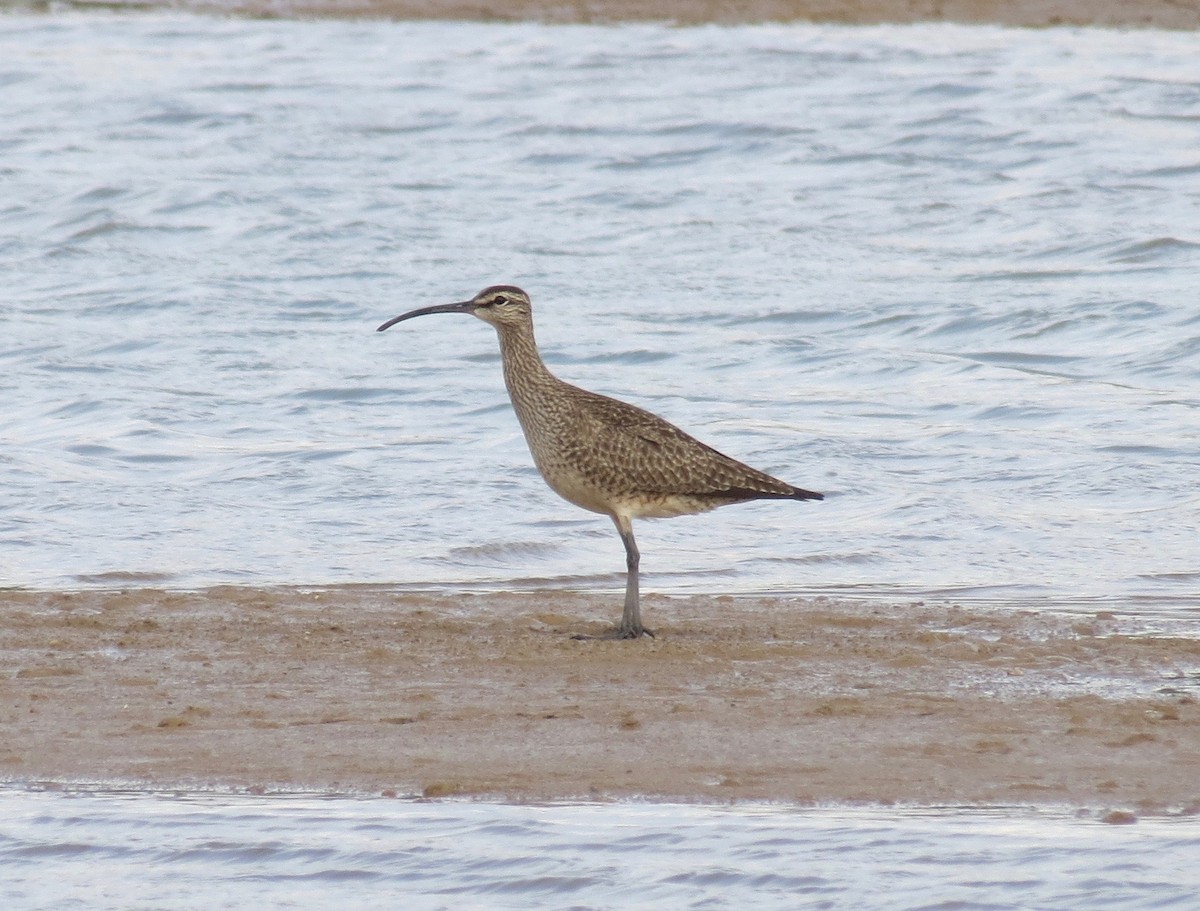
(946, 275)
(128, 852)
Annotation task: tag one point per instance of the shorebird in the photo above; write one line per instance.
(605, 455)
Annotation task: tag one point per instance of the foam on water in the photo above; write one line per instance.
(945, 275)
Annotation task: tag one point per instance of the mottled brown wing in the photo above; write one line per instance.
(636, 451)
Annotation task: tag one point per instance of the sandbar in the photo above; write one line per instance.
(803, 701)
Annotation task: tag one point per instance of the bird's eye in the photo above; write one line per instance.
(500, 300)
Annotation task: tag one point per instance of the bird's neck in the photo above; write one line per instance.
(524, 370)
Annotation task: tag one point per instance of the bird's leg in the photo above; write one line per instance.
(631, 619)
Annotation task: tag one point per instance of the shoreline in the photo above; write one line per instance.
(1163, 14)
(748, 699)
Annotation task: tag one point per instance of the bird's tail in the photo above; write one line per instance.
(798, 494)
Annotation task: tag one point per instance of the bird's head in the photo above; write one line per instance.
(499, 305)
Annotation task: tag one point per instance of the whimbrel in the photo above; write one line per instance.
(604, 455)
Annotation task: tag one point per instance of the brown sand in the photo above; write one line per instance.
(1173, 14)
(738, 698)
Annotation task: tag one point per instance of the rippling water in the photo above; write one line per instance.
(946, 275)
(134, 851)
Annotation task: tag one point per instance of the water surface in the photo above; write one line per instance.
(140, 851)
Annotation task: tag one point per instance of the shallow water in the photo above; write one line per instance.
(944, 274)
(135, 851)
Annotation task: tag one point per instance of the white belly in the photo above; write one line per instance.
(575, 489)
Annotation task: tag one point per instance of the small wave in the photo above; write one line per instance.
(671, 158)
(1157, 249)
(1190, 170)
(124, 577)
(501, 552)
(344, 394)
(1023, 275)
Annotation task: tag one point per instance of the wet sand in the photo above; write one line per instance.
(791, 700)
(1170, 14)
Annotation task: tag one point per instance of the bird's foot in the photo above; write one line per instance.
(620, 633)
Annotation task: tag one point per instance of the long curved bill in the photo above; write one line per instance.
(461, 307)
